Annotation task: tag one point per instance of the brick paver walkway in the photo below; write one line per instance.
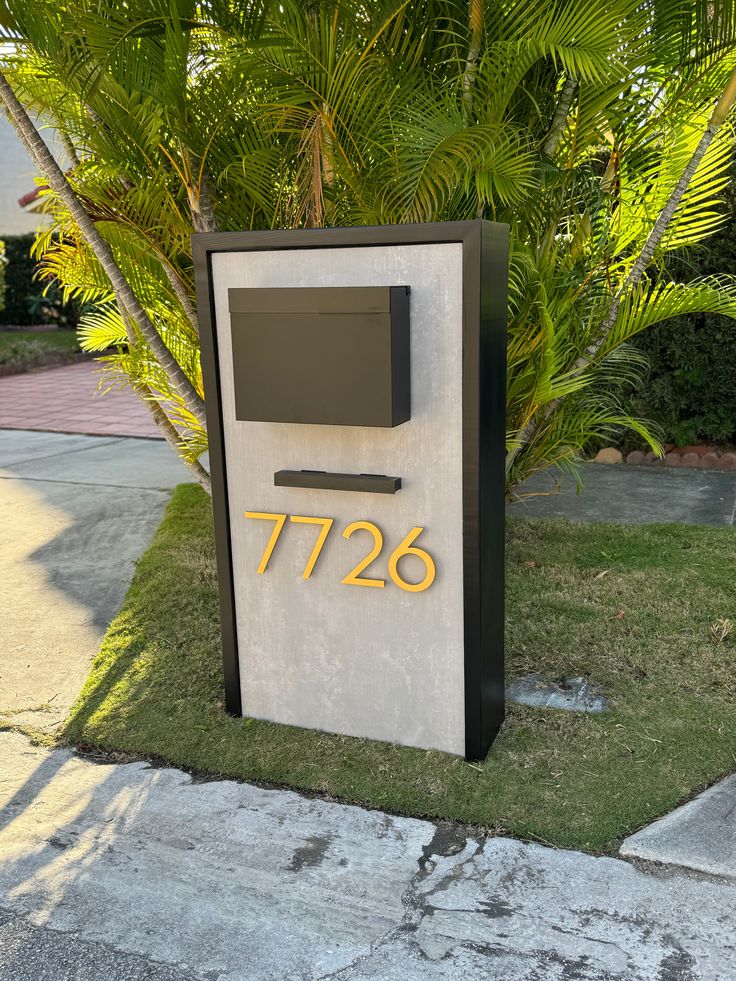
(67, 400)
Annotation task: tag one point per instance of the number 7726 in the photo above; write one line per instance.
(353, 578)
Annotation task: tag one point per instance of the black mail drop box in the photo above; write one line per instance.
(336, 356)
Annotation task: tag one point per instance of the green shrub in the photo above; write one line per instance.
(690, 392)
(28, 300)
(690, 389)
(3, 264)
(19, 285)
(21, 350)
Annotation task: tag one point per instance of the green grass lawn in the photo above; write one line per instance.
(628, 607)
(22, 350)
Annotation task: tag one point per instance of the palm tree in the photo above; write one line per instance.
(588, 128)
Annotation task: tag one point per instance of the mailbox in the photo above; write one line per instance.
(325, 355)
(355, 390)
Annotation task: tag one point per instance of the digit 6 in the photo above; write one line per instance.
(406, 548)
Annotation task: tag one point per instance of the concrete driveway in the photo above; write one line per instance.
(78, 511)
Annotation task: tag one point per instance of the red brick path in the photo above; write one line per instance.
(67, 400)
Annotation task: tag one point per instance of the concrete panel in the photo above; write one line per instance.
(68, 556)
(24, 445)
(375, 662)
(237, 881)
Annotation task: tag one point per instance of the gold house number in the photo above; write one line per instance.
(353, 578)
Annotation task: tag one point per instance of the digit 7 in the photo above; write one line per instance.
(321, 538)
(279, 520)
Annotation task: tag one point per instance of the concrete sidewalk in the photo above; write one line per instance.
(634, 495)
(140, 872)
(77, 513)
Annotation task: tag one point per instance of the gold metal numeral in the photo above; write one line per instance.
(351, 579)
(326, 523)
(279, 520)
(406, 548)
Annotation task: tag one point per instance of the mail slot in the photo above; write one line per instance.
(330, 356)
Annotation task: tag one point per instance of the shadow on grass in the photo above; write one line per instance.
(566, 779)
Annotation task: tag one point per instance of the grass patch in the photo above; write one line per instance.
(22, 350)
(628, 607)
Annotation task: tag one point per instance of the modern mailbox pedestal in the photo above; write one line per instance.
(355, 383)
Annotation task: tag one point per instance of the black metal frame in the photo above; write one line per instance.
(485, 264)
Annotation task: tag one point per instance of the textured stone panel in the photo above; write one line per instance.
(380, 663)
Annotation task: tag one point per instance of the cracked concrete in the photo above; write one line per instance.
(569, 694)
(224, 881)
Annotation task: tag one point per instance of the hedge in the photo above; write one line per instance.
(691, 389)
(24, 303)
(19, 285)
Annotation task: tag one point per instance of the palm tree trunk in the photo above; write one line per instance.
(162, 420)
(181, 294)
(475, 16)
(718, 117)
(58, 182)
(206, 210)
(198, 193)
(172, 438)
(69, 148)
(560, 117)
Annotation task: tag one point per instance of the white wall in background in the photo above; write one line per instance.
(16, 179)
